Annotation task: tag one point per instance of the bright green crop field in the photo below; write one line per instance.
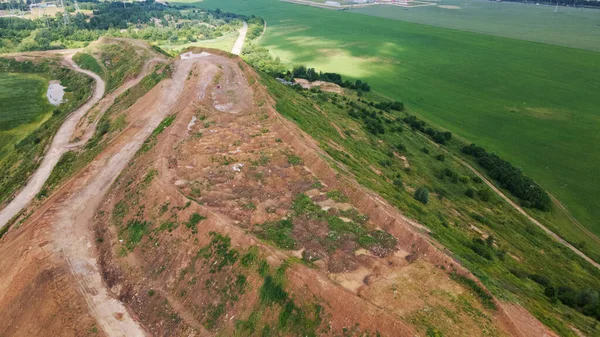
(569, 26)
(24, 107)
(536, 105)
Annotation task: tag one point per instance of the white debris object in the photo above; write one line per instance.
(237, 167)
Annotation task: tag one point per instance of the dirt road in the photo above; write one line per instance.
(239, 43)
(107, 101)
(534, 221)
(60, 145)
(77, 202)
(521, 210)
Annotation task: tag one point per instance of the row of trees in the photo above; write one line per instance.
(572, 3)
(440, 137)
(511, 178)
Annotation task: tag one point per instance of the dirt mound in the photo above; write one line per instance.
(210, 214)
(325, 86)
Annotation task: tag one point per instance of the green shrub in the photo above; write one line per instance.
(422, 195)
(193, 222)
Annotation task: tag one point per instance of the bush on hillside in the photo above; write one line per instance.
(422, 195)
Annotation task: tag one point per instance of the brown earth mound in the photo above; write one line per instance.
(226, 220)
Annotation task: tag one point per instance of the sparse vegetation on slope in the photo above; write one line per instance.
(456, 80)
(378, 160)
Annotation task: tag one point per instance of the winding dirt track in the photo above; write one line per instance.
(71, 209)
(60, 145)
(108, 100)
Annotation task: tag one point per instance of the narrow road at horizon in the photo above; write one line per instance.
(239, 43)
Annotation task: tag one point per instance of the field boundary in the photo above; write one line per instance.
(573, 219)
(518, 208)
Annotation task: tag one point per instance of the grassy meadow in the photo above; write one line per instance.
(533, 104)
(24, 107)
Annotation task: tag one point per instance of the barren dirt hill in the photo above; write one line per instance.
(210, 214)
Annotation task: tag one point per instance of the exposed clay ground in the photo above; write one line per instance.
(325, 86)
(130, 260)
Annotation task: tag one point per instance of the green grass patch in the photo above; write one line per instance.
(134, 232)
(89, 62)
(486, 299)
(193, 222)
(279, 232)
(63, 169)
(151, 140)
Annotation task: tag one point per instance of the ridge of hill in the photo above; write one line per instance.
(221, 202)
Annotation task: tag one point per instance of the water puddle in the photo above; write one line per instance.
(55, 93)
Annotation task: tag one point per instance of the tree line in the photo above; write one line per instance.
(440, 137)
(511, 178)
(143, 20)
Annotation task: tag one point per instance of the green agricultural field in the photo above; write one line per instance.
(534, 104)
(569, 26)
(24, 107)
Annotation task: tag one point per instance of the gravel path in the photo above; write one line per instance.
(239, 43)
(76, 205)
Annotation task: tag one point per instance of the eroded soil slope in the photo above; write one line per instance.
(210, 214)
(228, 221)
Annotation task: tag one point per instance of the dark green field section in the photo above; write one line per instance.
(562, 26)
(23, 99)
(534, 104)
(24, 105)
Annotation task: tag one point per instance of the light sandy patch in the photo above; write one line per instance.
(327, 204)
(191, 123)
(543, 113)
(325, 86)
(55, 93)
(449, 7)
(353, 280)
(190, 55)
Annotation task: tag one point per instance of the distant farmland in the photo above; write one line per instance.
(24, 107)
(569, 26)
